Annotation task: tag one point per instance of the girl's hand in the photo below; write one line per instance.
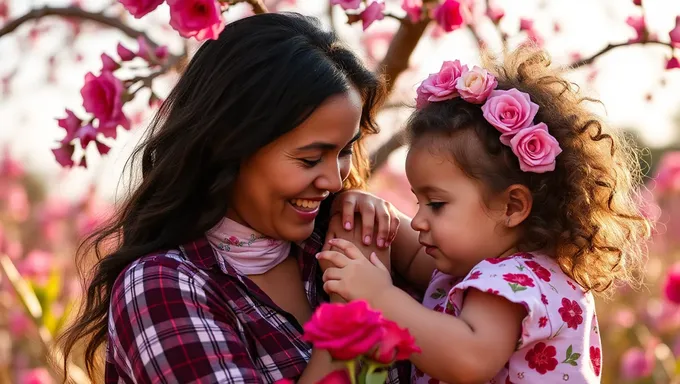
(352, 275)
(372, 209)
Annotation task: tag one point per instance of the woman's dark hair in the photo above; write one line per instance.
(260, 79)
(587, 209)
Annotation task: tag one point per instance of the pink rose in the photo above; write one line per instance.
(103, 97)
(201, 19)
(139, 8)
(475, 85)
(509, 111)
(372, 13)
(397, 344)
(449, 15)
(413, 8)
(671, 286)
(347, 4)
(124, 53)
(675, 33)
(535, 148)
(442, 85)
(345, 330)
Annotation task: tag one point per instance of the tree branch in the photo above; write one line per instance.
(258, 6)
(400, 50)
(74, 12)
(591, 59)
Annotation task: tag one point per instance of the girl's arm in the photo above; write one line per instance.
(408, 257)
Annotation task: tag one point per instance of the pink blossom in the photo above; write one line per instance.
(441, 86)
(372, 13)
(161, 52)
(637, 2)
(9, 167)
(475, 85)
(526, 24)
(17, 204)
(37, 266)
(509, 111)
(347, 4)
(200, 19)
(535, 148)
(638, 24)
(668, 174)
(36, 376)
(108, 64)
(449, 15)
(124, 53)
(4, 10)
(636, 363)
(103, 97)
(671, 286)
(71, 123)
(495, 14)
(673, 63)
(143, 50)
(64, 154)
(139, 8)
(19, 323)
(675, 33)
(413, 8)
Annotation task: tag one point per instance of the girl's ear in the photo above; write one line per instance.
(518, 202)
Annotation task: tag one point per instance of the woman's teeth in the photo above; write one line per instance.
(305, 204)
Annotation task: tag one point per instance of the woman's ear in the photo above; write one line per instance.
(518, 203)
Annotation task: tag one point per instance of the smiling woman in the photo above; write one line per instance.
(213, 267)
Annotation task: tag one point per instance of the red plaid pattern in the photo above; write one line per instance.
(186, 316)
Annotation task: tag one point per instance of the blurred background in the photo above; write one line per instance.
(54, 189)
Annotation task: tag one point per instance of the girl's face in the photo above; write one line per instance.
(455, 225)
(279, 189)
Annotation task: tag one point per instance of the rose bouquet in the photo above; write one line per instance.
(361, 338)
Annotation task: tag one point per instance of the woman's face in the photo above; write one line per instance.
(279, 189)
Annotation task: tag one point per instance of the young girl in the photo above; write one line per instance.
(527, 206)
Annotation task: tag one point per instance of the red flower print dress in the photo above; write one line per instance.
(560, 339)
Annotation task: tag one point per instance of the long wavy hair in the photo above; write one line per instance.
(261, 78)
(587, 210)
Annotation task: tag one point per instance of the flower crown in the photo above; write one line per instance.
(511, 112)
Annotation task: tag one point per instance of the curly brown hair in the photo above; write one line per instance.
(587, 209)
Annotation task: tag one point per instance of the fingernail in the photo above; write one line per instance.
(367, 240)
(317, 255)
(331, 241)
(348, 226)
(381, 242)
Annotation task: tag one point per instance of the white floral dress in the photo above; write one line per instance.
(560, 340)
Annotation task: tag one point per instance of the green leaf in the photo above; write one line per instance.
(569, 350)
(516, 287)
(376, 377)
(438, 294)
(520, 268)
(572, 362)
(575, 356)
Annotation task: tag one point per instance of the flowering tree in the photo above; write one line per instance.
(34, 299)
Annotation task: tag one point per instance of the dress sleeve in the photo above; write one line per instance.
(512, 280)
(165, 326)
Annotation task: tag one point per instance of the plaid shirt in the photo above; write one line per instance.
(186, 316)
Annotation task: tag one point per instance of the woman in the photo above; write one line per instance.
(212, 271)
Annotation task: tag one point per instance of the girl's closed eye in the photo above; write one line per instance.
(435, 205)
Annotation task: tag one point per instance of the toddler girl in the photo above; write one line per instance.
(527, 206)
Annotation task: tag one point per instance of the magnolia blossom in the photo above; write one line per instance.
(372, 13)
(675, 33)
(139, 8)
(200, 19)
(347, 4)
(449, 15)
(413, 8)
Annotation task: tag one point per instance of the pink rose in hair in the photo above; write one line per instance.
(509, 111)
(201, 19)
(475, 85)
(442, 85)
(535, 148)
(139, 8)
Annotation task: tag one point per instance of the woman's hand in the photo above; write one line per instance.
(352, 274)
(372, 210)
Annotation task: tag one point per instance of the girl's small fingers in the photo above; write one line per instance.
(332, 274)
(333, 286)
(336, 258)
(375, 260)
(347, 247)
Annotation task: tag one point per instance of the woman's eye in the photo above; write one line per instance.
(346, 152)
(310, 163)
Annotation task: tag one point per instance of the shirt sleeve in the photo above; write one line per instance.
(165, 326)
(512, 280)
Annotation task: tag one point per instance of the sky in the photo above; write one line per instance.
(624, 76)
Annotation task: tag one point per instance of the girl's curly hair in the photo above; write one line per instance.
(587, 209)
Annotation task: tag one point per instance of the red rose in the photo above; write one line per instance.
(541, 358)
(519, 278)
(396, 344)
(596, 359)
(539, 270)
(571, 313)
(345, 330)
